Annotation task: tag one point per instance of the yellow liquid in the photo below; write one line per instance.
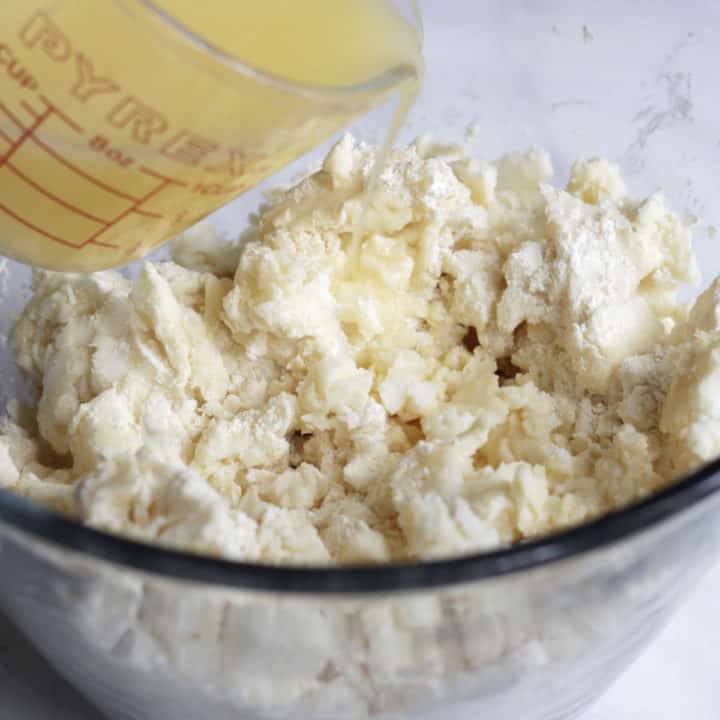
(116, 131)
(309, 42)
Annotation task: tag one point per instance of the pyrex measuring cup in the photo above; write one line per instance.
(120, 125)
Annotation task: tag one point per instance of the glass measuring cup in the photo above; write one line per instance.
(121, 126)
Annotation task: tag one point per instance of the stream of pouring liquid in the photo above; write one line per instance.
(407, 94)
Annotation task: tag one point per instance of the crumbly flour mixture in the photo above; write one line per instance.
(496, 359)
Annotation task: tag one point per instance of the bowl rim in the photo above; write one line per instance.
(47, 525)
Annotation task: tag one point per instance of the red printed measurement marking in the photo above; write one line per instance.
(132, 249)
(164, 182)
(28, 132)
(49, 195)
(27, 224)
(79, 171)
(62, 115)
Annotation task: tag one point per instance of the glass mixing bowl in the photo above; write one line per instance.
(536, 631)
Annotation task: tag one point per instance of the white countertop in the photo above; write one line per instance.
(675, 678)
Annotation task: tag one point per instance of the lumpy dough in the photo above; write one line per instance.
(495, 358)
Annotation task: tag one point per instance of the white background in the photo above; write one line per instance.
(675, 679)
